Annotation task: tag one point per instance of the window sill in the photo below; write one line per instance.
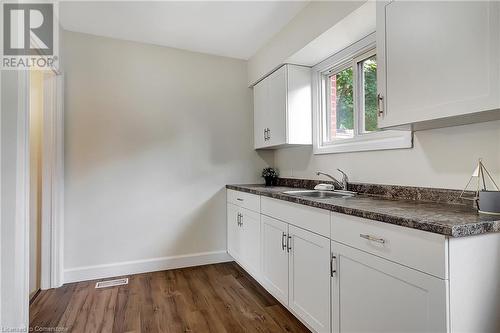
(384, 140)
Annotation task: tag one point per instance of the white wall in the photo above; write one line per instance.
(309, 23)
(152, 136)
(440, 158)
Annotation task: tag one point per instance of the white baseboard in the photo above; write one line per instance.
(143, 266)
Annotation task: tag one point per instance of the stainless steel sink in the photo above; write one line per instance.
(321, 194)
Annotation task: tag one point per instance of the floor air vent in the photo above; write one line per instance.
(111, 283)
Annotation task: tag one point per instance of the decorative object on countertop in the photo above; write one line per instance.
(487, 201)
(270, 175)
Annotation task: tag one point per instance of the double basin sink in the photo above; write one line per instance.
(317, 194)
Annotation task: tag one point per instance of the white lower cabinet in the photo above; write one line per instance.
(371, 294)
(309, 278)
(363, 278)
(250, 241)
(295, 270)
(243, 237)
(233, 231)
(274, 272)
(345, 274)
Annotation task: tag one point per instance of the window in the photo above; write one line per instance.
(367, 70)
(340, 113)
(349, 111)
(346, 109)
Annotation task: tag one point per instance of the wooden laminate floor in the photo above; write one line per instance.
(213, 298)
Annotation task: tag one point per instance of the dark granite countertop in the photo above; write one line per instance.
(446, 219)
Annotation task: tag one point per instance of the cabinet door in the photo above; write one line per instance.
(371, 294)
(309, 278)
(250, 242)
(440, 59)
(233, 231)
(274, 272)
(260, 100)
(277, 106)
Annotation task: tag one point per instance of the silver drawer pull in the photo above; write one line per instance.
(239, 199)
(372, 238)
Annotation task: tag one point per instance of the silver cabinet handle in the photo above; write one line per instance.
(372, 238)
(239, 199)
(380, 105)
(238, 219)
(283, 241)
(333, 265)
(266, 134)
(288, 244)
(241, 220)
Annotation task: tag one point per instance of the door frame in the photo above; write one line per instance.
(52, 224)
(14, 300)
(23, 189)
(16, 297)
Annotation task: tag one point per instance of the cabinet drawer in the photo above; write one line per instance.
(244, 200)
(424, 251)
(309, 218)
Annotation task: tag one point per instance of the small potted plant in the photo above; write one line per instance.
(270, 175)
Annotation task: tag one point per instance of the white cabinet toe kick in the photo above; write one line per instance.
(340, 273)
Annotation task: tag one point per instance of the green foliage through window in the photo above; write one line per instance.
(370, 93)
(342, 123)
(340, 120)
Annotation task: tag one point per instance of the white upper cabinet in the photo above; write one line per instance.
(276, 105)
(437, 60)
(282, 108)
(260, 114)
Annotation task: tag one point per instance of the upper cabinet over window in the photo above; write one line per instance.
(438, 60)
(282, 108)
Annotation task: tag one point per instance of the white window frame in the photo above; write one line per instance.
(379, 140)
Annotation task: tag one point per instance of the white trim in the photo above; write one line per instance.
(52, 182)
(1, 293)
(21, 241)
(86, 273)
(14, 297)
(380, 140)
(58, 199)
(359, 118)
(362, 46)
(22, 194)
